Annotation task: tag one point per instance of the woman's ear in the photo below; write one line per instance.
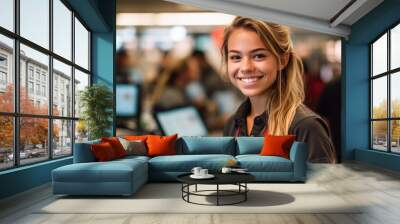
(284, 61)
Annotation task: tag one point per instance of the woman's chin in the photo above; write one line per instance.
(252, 92)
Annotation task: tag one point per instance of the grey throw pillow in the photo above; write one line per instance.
(135, 147)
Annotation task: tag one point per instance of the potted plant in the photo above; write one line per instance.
(96, 104)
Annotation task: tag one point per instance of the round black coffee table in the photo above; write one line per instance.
(238, 179)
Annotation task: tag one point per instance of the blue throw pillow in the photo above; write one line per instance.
(249, 145)
(206, 145)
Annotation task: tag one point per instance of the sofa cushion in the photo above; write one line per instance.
(257, 163)
(135, 137)
(161, 145)
(134, 147)
(103, 152)
(249, 145)
(112, 171)
(116, 145)
(277, 145)
(131, 158)
(185, 163)
(206, 145)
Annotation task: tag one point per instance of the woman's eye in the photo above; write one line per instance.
(259, 56)
(234, 57)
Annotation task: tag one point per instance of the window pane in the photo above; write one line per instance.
(34, 96)
(395, 94)
(379, 97)
(62, 29)
(62, 138)
(81, 81)
(81, 45)
(379, 55)
(81, 131)
(7, 14)
(35, 21)
(33, 139)
(395, 136)
(379, 135)
(6, 74)
(395, 47)
(62, 89)
(6, 142)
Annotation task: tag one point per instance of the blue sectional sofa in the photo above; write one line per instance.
(125, 176)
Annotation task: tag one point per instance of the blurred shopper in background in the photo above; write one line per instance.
(313, 86)
(261, 63)
(329, 106)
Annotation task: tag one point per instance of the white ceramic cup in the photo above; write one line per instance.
(196, 170)
(203, 172)
(226, 170)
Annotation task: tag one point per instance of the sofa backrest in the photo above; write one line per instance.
(83, 152)
(192, 145)
(249, 145)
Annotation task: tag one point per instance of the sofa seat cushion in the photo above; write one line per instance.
(133, 158)
(112, 171)
(257, 163)
(185, 163)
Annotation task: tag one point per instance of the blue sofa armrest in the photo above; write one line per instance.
(83, 152)
(298, 155)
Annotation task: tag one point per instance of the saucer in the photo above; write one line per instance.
(208, 176)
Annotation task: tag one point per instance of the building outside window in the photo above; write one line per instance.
(30, 72)
(3, 61)
(44, 77)
(58, 126)
(3, 78)
(43, 90)
(37, 74)
(38, 89)
(3, 72)
(30, 87)
(385, 93)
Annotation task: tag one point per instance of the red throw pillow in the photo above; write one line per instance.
(103, 151)
(277, 145)
(161, 145)
(116, 145)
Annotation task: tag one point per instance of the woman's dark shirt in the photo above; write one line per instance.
(306, 125)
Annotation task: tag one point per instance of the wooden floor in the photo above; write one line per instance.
(377, 188)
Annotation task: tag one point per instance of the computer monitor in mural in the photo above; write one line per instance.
(128, 100)
(185, 121)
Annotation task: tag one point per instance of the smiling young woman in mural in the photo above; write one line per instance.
(260, 62)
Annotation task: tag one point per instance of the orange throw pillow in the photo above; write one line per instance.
(116, 145)
(136, 137)
(277, 145)
(103, 152)
(161, 145)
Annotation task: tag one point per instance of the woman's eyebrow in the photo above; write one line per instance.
(259, 49)
(252, 51)
(233, 51)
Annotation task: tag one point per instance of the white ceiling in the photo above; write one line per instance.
(325, 16)
(321, 9)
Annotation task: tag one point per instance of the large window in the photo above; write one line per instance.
(385, 92)
(44, 64)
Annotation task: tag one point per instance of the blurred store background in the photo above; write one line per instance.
(168, 66)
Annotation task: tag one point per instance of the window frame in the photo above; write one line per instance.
(388, 74)
(16, 114)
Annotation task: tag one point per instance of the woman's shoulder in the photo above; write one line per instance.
(305, 118)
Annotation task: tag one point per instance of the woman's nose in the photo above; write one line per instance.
(247, 65)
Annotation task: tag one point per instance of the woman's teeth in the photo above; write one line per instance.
(250, 79)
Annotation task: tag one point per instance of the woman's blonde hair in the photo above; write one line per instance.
(287, 93)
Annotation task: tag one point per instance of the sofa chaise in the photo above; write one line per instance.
(125, 176)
